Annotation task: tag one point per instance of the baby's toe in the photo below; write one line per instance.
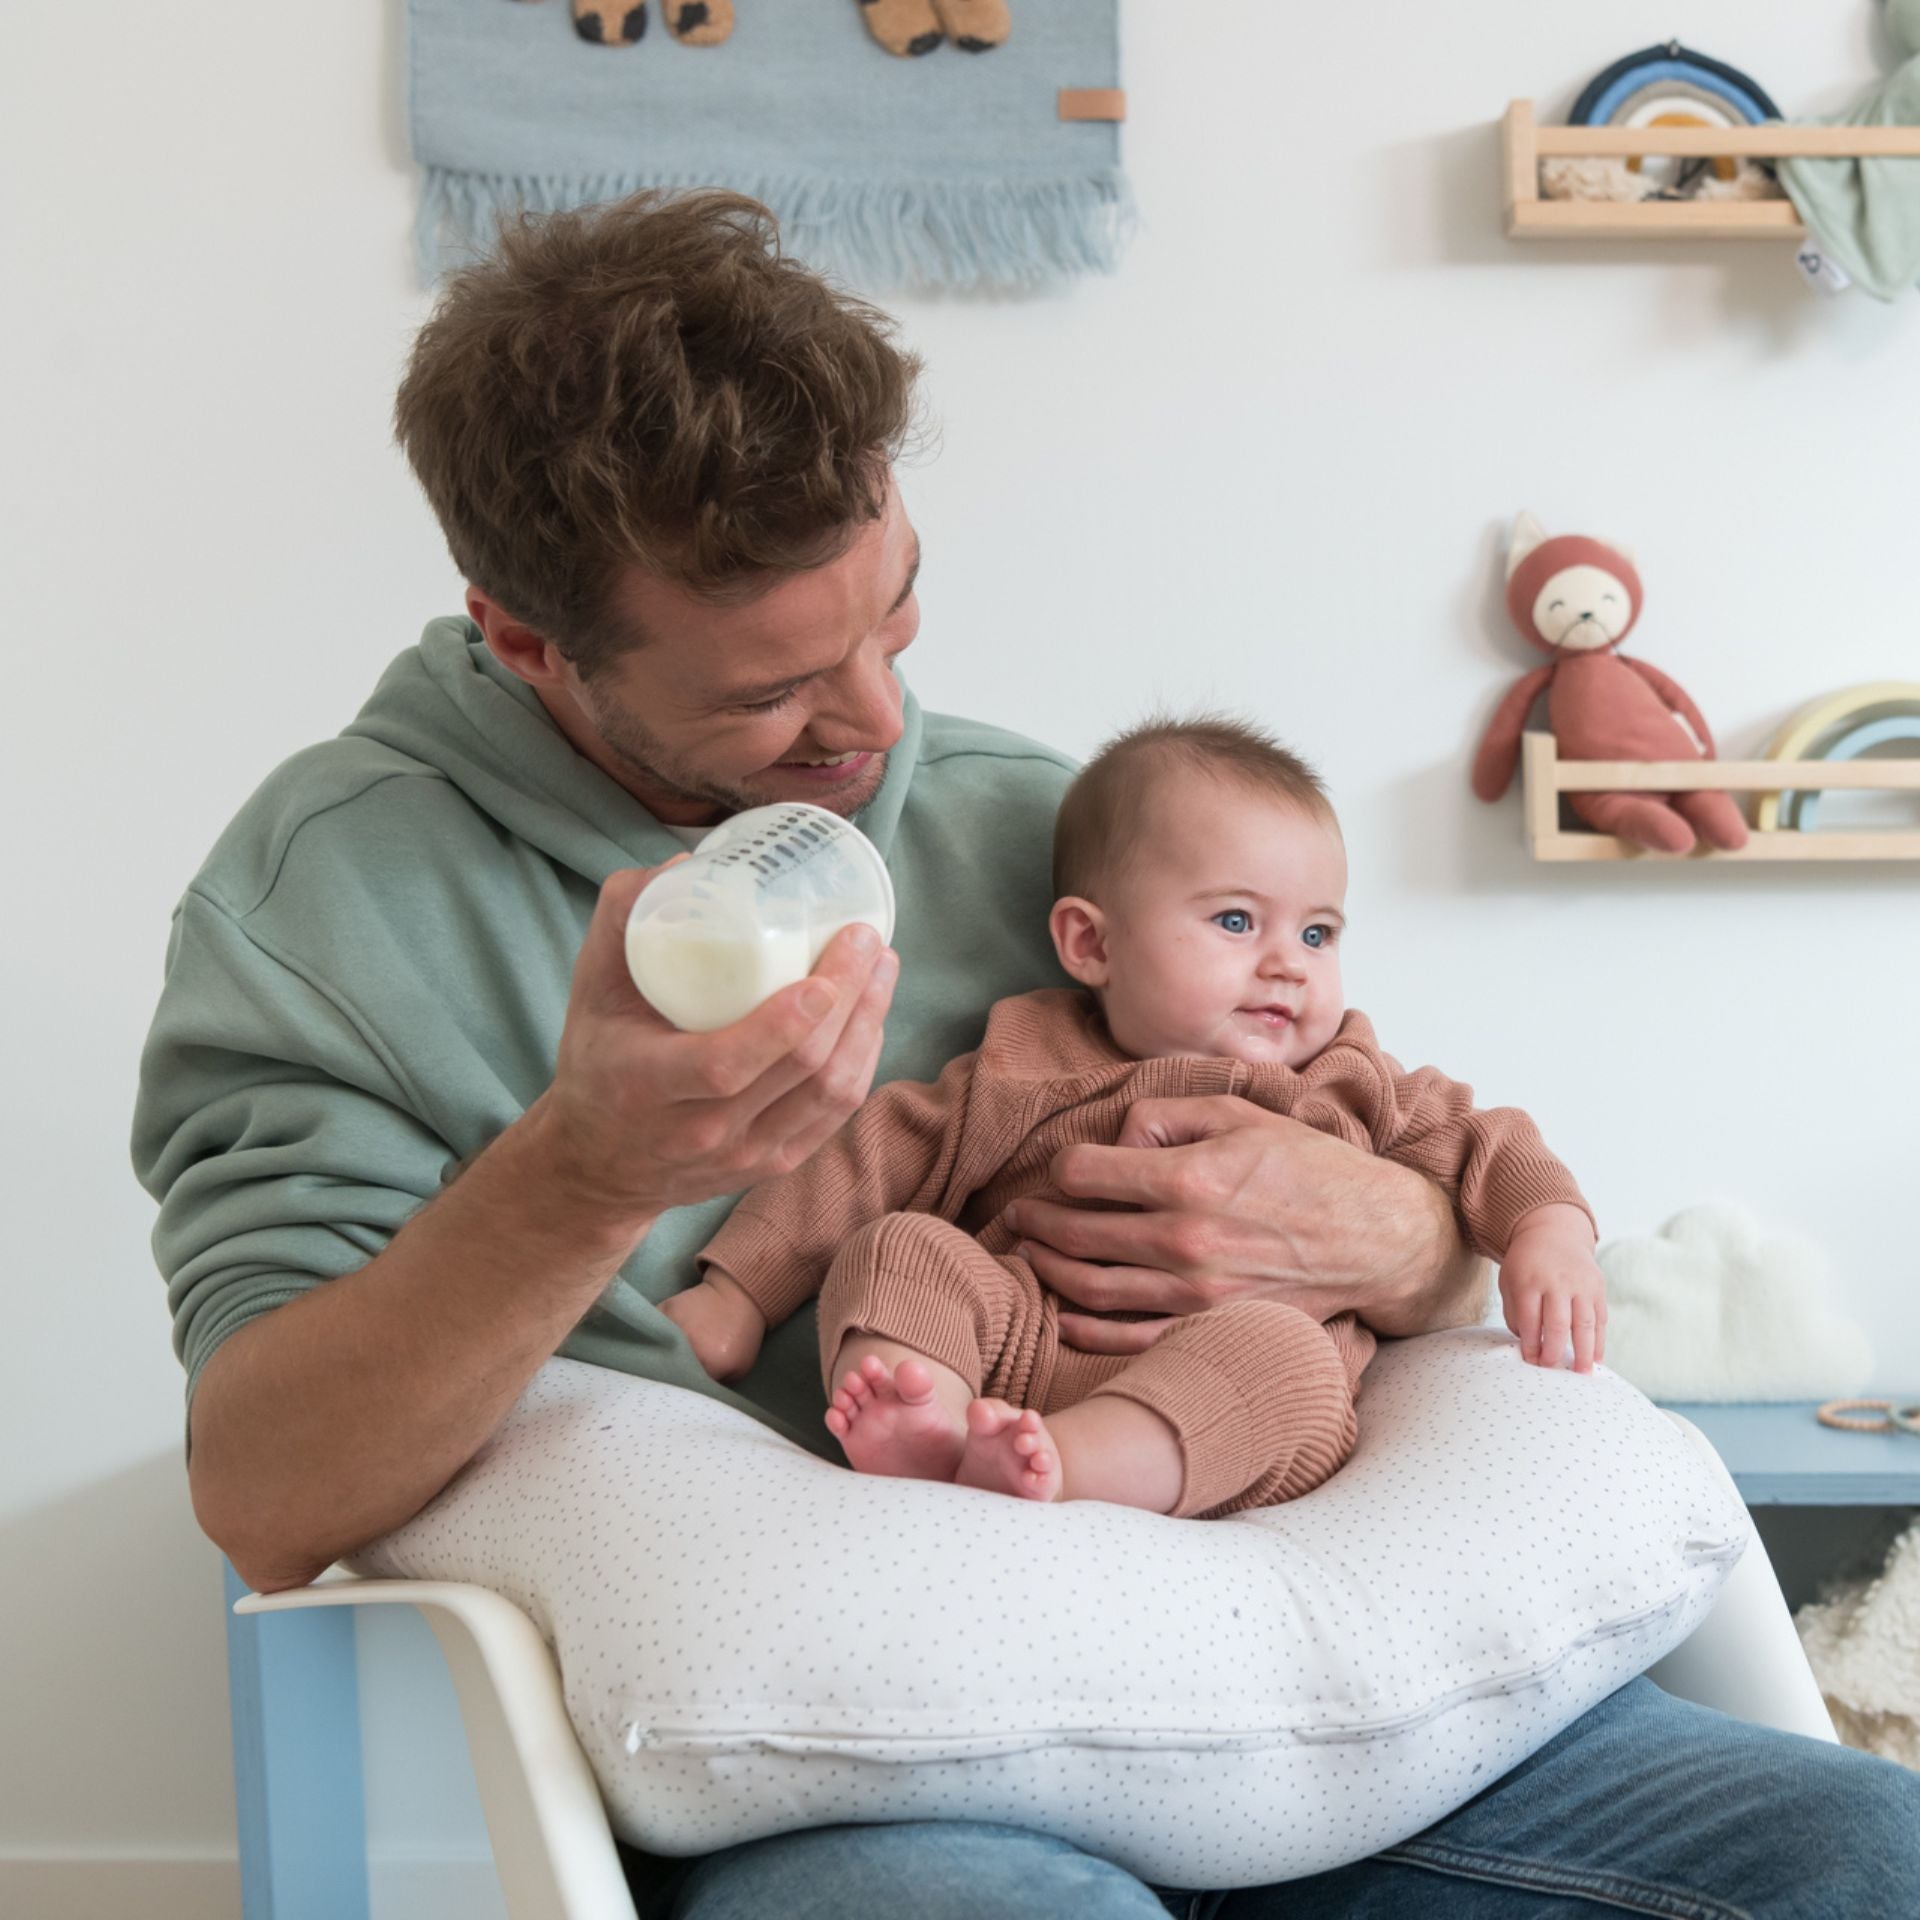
(988, 1417)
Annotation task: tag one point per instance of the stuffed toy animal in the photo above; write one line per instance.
(905, 27)
(1577, 599)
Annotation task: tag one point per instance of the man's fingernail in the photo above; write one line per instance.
(866, 940)
(815, 1000)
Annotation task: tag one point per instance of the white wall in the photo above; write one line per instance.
(1269, 464)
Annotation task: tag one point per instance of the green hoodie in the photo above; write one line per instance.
(367, 979)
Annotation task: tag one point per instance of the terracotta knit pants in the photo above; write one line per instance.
(1260, 1394)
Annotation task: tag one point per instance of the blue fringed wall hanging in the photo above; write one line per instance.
(953, 169)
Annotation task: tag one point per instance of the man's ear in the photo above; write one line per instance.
(524, 653)
(1079, 932)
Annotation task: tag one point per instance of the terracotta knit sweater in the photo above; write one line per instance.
(906, 1206)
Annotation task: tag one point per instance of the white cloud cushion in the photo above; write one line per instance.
(752, 1640)
(1714, 1307)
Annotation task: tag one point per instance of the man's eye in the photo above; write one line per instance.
(1318, 935)
(1239, 914)
(765, 706)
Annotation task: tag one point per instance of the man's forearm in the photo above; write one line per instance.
(1435, 1280)
(334, 1418)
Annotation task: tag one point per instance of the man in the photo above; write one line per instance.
(413, 1130)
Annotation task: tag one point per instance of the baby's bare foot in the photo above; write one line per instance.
(890, 1420)
(1009, 1451)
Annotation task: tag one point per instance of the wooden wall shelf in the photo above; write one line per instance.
(1529, 217)
(1545, 777)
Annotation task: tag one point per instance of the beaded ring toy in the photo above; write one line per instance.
(1835, 1412)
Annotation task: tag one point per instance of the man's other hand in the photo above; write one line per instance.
(1225, 1200)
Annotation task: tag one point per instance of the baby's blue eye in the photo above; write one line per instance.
(1235, 913)
(1317, 935)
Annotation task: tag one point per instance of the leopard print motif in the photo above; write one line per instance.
(622, 23)
(903, 27)
(913, 27)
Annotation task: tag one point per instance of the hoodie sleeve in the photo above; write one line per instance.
(280, 1144)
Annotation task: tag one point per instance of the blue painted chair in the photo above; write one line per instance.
(296, 1749)
(297, 1736)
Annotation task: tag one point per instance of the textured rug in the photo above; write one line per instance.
(1863, 1643)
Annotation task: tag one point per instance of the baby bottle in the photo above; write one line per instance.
(752, 911)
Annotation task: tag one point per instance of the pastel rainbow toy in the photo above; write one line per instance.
(1672, 86)
(1846, 725)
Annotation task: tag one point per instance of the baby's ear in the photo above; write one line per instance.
(1527, 534)
(1079, 932)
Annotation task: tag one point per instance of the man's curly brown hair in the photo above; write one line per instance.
(648, 384)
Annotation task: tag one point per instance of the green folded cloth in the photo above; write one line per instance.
(1866, 213)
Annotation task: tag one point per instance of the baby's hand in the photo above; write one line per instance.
(722, 1325)
(1552, 1288)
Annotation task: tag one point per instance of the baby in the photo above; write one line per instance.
(1201, 875)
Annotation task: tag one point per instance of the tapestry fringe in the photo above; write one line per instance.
(960, 234)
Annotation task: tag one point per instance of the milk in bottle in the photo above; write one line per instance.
(752, 911)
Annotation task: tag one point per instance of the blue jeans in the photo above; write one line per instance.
(1645, 1805)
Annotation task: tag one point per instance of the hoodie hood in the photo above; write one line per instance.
(450, 705)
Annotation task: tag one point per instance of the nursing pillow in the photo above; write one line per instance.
(753, 1640)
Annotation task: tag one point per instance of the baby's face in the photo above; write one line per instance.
(1223, 933)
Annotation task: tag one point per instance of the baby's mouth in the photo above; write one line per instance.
(1270, 1016)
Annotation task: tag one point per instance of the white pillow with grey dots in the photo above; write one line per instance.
(753, 1640)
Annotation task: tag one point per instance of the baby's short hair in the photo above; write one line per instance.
(1102, 814)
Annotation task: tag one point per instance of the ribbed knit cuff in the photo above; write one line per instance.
(763, 1263)
(1515, 1188)
(935, 1326)
(1245, 1396)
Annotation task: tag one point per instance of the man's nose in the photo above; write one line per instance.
(864, 709)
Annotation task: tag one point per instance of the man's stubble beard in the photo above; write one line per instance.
(641, 754)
